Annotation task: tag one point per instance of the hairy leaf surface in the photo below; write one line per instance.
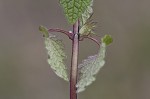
(87, 14)
(56, 54)
(87, 28)
(90, 67)
(86, 23)
(74, 8)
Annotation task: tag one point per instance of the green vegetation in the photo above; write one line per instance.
(79, 13)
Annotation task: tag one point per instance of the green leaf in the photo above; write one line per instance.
(90, 67)
(74, 8)
(87, 28)
(86, 23)
(56, 54)
(107, 39)
(87, 14)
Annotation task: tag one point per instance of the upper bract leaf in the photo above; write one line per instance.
(87, 14)
(87, 28)
(74, 8)
(87, 25)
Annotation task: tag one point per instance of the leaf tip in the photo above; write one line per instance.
(44, 30)
(107, 39)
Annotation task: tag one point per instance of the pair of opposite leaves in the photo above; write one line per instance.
(74, 10)
(87, 69)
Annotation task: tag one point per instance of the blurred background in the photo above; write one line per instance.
(25, 73)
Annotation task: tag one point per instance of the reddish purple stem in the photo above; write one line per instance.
(91, 38)
(74, 62)
(69, 34)
(75, 48)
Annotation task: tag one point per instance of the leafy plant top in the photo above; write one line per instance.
(79, 14)
(74, 8)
